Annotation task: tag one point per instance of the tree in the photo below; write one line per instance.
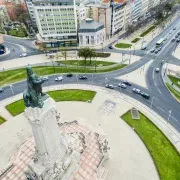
(92, 54)
(84, 53)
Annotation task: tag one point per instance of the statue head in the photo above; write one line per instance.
(29, 71)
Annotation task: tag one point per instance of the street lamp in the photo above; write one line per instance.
(102, 47)
(92, 78)
(77, 78)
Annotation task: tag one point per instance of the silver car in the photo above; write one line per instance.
(1, 89)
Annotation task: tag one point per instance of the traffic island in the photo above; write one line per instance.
(123, 45)
(165, 156)
(135, 40)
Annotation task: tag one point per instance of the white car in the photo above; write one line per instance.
(122, 85)
(110, 86)
(60, 78)
(45, 78)
(157, 70)
(23, 55)
(137, 91)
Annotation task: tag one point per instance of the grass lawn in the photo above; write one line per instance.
(165, 156)
(18, 107)
(11, 76)
(2, 120)
(82, 63)
(123, 45)
(135, 40)
(147, 31)
(21, 32)
(173, 91)
(175, 80)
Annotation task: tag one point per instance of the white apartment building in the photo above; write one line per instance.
(30, 7)
(56, 22)
(82, 14)
(128, 13)
(91, 33)
(136, 12)
(117, 18)
(144, 7)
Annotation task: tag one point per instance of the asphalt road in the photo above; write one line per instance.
(161, 101)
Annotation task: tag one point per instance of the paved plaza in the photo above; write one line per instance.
(129, 158)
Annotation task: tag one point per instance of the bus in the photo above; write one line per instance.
(160, 42)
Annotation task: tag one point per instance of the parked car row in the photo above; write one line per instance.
(143, 94)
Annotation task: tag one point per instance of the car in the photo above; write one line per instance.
(156, 51)
(152, 50)
(178, 33)
(143, 48)
(122, 85)
(159, 48)
(137, 91)
(170, 32)
(83, 77)
(173, 40)
(157, 70)
(69, 75)
(174, 28)
(165, 39)
(145, 95)
(178, 40)
(23, 55)
(176, 36)
(1, 89)
(127, 83)
(60, 78)
(110, 86)
(45, 78)
(110, 47)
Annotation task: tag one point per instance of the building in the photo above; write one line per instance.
(4, 17)
(110, 14)
(117, 18)
(91, 33)
(56, 22)
(30, 8)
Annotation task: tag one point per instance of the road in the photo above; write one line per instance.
(161, 101)
(19, 46)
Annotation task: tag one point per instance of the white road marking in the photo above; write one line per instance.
(155, 83)
(159, 91)
(161, 109)
(153, 73)
(22, 47)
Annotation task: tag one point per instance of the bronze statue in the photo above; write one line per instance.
(33, 95)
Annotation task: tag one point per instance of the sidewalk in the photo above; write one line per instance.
(171, 133)
(39, 59)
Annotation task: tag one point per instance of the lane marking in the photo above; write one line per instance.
(22, 47)
(159, 91)
(161, 109)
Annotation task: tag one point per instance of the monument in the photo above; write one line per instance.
(58, 152)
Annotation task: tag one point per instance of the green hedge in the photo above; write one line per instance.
(135, 40)
(147, 31)
(21, 32)
(123, 45)
(104, 55)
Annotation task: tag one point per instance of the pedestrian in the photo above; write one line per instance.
(172, 83)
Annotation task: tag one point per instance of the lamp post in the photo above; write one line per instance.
(102, 47)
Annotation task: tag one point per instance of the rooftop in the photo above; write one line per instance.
(90, 24)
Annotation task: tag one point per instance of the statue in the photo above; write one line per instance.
(33, 95)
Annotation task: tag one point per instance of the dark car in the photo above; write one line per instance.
(178, 33)
(156, 51)
(1, 89)
(145, 95)
(176, 36)
(69, 75)
(173, 40)
(127, 83)
(83, 77)
(178, 40)
(174, 28)
(110, 47)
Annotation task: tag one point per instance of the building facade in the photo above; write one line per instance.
(56, 22)
(91, 33)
